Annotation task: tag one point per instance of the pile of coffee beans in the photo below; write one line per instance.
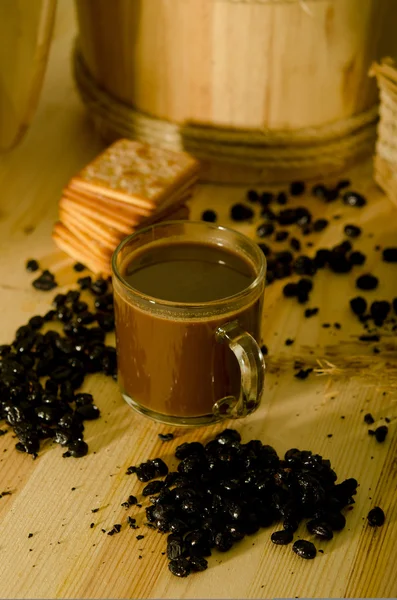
(225, 490)
(341, 258)
(41, 371)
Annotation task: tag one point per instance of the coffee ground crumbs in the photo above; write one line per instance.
(303, 373)
(368, 419)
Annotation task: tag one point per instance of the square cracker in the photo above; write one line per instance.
(136, 173)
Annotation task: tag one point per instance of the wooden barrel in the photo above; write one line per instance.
(259, 90)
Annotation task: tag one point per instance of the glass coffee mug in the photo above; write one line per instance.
(188, 304)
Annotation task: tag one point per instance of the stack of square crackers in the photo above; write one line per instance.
(127, 187)
(385, 161)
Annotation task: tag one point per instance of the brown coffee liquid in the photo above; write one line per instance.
(191, 273)
(176, 367)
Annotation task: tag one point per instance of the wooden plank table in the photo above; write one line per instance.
(53, 497)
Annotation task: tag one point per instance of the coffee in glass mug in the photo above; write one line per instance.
(188, 305)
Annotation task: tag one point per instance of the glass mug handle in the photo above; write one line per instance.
(252, 368)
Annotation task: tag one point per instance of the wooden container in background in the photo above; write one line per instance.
(25, 38)
(259, 90)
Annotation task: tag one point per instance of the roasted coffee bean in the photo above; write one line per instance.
(304, 265)
(304, 549)
(281, 236)
(268, 213)
(175, 546)
(320, 225)
(36, 322)
(376, 517)
(99, 287)
(303, 218)
(160, 466)
(295, 244)
(198, 563)
(367, 282)
(390, 255)
(338, 262)
(343, 183)
(154, 487)
(209, 216)
(189, 449)
(89, 412)
(381, 433)
(85, 318)
(252, 196)
(265, 229)
(49, 316)
(44, 284)
(320, 529)
(223, 541)
(240, 212)
(78, 267)
(379, 311)
(358, 305)
(266, 198)
(282, 198)
(84, 282)
(320, 191)
(79, 306)
(72, 296)
(105, 321)
(297, 188)
(282, 537)
(368, 419)
(64, 314)
(321, 258)
(166, 437)
(287, 216)
(180, 567)
(265, 249)
(78, 448)
(357, 258)
(32, 265)
(352, 231)
(354, 199)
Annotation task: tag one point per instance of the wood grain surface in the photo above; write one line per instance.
(53, 497)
